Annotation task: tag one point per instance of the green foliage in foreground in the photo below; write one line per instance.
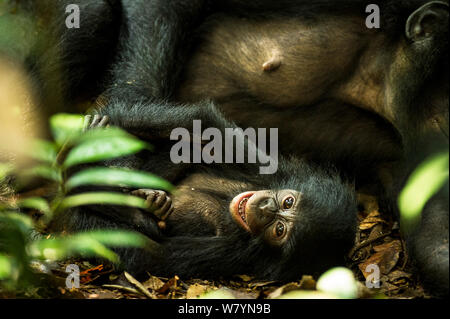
(427, 180)
(71, 147)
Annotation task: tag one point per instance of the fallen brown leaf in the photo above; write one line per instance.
(371, 220)
(284, 289)
(196, 290)
(138, 285)
(153, 283)
(386, 257)
(399, 277)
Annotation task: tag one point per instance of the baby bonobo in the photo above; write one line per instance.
(266, 213)
(224, 219)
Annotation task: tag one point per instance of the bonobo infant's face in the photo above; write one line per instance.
(268, 213)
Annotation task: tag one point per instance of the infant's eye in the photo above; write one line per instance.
(279, 230)
(288, 202)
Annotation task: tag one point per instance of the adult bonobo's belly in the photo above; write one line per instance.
(320, 84)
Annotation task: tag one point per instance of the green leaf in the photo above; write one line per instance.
(101, 133)
(60, 248)
(116, 238)
(23, 223)
(42, 171)
(90, 247)
(120, 177)
(424, 183)
(102, 198)
(102, 149)
(42, 151)
(35, 203)
(339, 282)
(66, 126)
(87, 244)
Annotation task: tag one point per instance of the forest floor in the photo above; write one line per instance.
(378, 242)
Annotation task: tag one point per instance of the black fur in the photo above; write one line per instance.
(191, 245)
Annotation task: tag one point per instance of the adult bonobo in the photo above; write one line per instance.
(373, 102)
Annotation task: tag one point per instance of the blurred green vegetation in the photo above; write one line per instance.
(17, 30)
(425, 182)
(19, 245)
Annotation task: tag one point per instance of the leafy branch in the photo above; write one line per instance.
(52, 161)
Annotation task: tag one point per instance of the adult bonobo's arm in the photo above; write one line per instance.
(155, 39)
(398, 72)
(156, 120)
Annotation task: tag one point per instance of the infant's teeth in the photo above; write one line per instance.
(241, 208)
